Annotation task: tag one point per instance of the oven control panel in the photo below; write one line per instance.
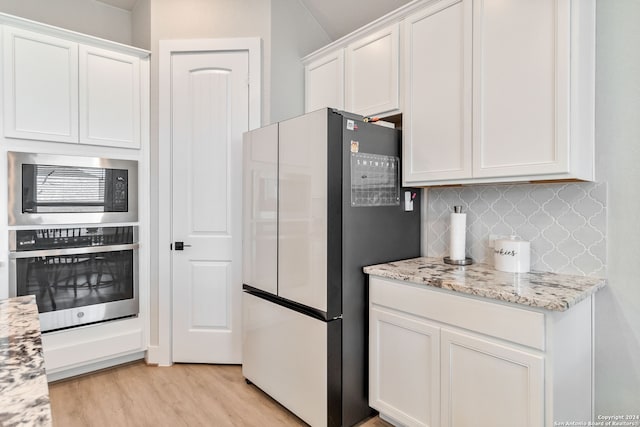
(71, 237)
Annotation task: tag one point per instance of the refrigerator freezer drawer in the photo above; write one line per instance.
(285, 354)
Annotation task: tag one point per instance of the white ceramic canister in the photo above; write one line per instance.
(512, 255)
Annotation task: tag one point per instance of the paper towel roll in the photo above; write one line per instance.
(457, 234)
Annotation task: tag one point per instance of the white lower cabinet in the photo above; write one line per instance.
(437, 358)
(488, 384)
(410, 393)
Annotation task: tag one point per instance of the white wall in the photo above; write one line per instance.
(184, 19)
(617, 355)
(294, 34)
(88, 17)
(141, 24)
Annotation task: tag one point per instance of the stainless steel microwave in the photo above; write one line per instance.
(58, 189)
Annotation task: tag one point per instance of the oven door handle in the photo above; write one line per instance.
(73, 251)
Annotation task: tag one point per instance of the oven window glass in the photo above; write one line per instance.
(69, 281)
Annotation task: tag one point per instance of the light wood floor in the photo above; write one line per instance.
(180, 395)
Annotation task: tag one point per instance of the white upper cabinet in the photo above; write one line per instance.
(490, 90)
(372, 64)
(532, 85)
(66, 87)
(40, 86)
(324, 82)
(437, 98)
(521, 87)
(109, 98)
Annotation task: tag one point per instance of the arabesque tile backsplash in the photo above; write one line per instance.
(566, 223)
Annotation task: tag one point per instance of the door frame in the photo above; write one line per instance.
(161, 353)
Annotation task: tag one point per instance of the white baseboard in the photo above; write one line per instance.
(91, 367)
(389, 420)
(154, 356)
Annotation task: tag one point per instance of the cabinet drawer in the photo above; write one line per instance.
(518, 325)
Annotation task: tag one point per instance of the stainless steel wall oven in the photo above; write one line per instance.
(58, 189)
(79, 275)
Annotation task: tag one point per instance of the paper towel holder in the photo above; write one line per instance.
(466, 261)
(462, 260)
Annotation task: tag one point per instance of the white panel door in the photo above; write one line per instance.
(404, 367)
(40, 86)
(302, 210)
(285, 354)
(324, 82)
(260, 209)
(372, 73)
(109, 98)
(437, 70)
(209, 115)
(487, 384)
(521, 87)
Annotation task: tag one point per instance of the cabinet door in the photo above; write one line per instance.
(404, 367)
(109, 98)
(372, 73)
(437, 72)
(324, 82)
(521, 87)
(487, 384)
(40, 86)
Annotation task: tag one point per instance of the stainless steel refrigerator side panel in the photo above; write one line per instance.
(371, 235)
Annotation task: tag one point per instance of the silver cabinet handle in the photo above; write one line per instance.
(73, 251)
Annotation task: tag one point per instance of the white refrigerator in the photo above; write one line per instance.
(322, 198)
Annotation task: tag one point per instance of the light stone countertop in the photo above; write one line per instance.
(551, 291)
(24, 393)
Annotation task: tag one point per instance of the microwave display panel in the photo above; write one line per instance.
(64, 189)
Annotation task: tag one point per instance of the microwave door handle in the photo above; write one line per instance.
(73, 251)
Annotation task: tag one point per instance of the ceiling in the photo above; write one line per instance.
(337, 17)
(340, 17)
(122, 4)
